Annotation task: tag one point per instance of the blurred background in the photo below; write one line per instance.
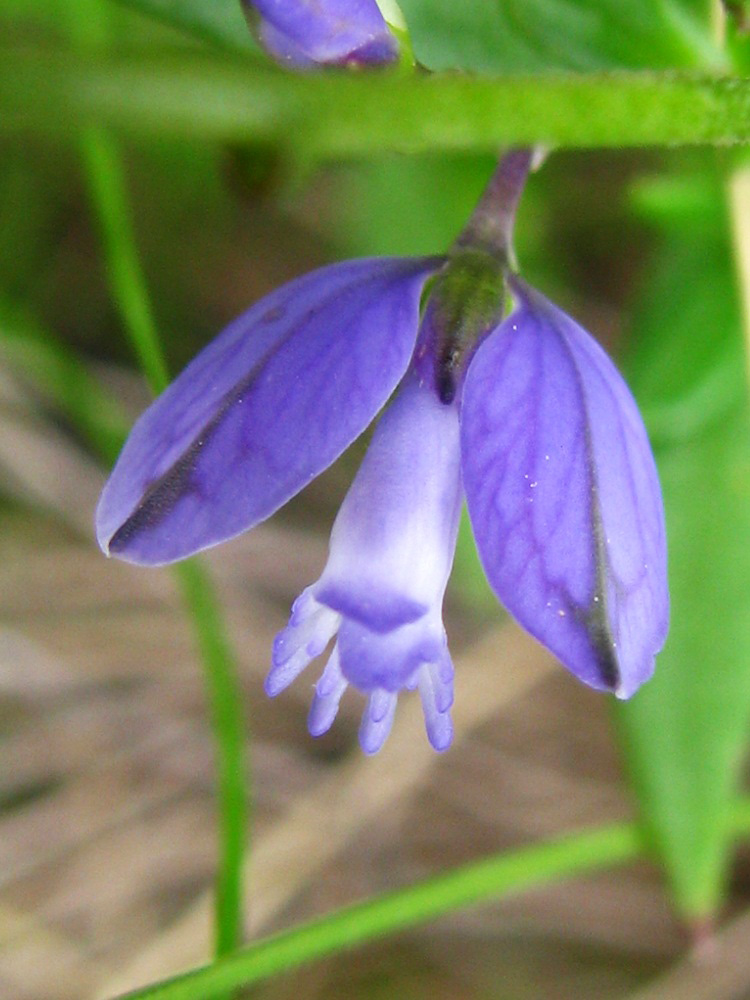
(107, 809)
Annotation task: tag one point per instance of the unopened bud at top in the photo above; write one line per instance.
(303, 34)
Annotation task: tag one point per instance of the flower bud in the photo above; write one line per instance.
(303, 35)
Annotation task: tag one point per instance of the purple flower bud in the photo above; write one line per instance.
(303, 34)
(564, 497)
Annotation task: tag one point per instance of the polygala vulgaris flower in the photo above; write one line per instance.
(303, 34)
(499, 397)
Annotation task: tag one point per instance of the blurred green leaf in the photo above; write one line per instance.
(688, 369)
(56, 372)
(685, 732)
(407, 205)
(523, 35)
(29, 203)
(219, 22)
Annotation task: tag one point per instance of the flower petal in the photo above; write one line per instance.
(389, 660)
(393, 540)
(437, 698)
(382, 588)
(563, 495)
(327, 32)
(328, 692)
(263, 409)
(377, 720)
(310, 629)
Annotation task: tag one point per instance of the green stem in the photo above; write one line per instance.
(505, 874)
(348, 115)
(108, 189)
(229, 737)
(104, 171)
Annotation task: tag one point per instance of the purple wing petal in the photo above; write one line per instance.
(564, 497)
(263, 409)
(327, 32)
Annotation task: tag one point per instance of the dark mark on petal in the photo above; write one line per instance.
(159, 499)
(596, 616)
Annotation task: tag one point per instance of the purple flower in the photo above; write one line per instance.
(560, 484)
(303, 34)
(523, 413)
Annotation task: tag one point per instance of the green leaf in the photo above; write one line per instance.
(407, 205)
(219, 22)
(522, 35)
(58, 374)
(688, 370)
(686, 731)
(504, 35)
